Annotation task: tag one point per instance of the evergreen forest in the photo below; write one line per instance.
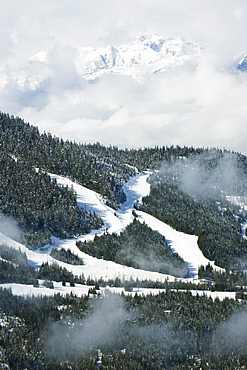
(171, 330)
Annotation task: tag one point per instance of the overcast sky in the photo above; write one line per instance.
(205, 106)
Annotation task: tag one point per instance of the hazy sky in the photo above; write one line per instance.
(203, 106)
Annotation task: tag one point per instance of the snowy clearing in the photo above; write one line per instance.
(29, 290)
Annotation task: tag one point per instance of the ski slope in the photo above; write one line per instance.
(114, 221)
(137, 187)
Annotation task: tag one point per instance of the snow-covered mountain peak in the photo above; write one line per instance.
(146, 55)
(41, 56)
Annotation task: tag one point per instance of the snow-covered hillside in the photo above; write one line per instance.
(137, 187)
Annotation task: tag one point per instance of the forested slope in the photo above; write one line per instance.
(188, 192)
(191, 196)
(40, 206)
(43, 151)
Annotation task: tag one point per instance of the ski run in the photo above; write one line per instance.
(114, 221)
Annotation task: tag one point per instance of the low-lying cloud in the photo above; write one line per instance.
(108, 327)
(207, 176)
(231, 335)
(95, 331)
(10, 228)
(199, 107)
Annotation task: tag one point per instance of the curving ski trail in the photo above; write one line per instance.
(136, 188)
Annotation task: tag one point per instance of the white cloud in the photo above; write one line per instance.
(202, 107)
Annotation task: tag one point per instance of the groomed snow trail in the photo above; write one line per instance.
(183, 244)
(137, 187)
(114, 221)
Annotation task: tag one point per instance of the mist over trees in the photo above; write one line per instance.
(168, 330)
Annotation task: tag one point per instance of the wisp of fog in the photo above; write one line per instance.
(96, 330)
(231, 335)
(10, 228)
(207, 176)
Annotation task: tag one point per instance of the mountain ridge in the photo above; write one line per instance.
(149, 54)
